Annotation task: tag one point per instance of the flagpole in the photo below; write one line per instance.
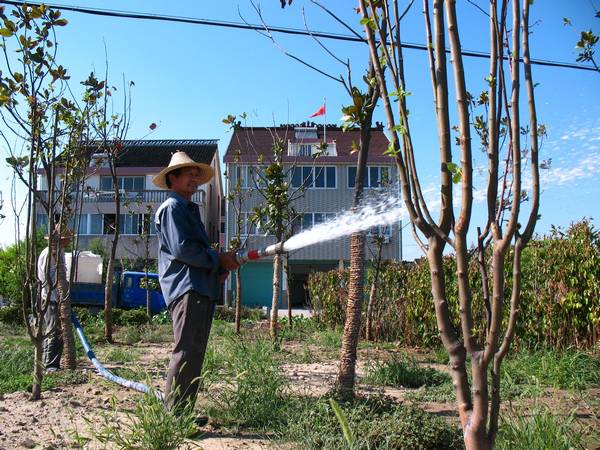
(325, 121)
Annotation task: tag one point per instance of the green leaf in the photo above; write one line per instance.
(5, 32)
(453, 168)
(399, 129)
(343, 422)
(390, 151)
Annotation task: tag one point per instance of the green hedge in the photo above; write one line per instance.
(560, 296)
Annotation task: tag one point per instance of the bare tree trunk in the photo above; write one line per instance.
(108, 293)
(275, 300)
(38, 370)
(66, 326)
(347, 368)
(148, 304)
(238, 300)
(288, 297)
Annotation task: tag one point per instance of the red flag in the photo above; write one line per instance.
(319, 112)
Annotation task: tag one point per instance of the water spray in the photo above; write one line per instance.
(243, 256)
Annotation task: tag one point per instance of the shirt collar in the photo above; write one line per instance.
(181, 199)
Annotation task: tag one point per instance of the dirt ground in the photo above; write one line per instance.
(65, 415)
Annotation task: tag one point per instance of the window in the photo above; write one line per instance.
(248, 177)
(129, 224)
(380, 230)
(83, 224)
(108, 223)
(247, 226)
(151, 283)
(314, 177)
(96, 224)
(129, 184)
(41, 222)
(304, 150)
(308, 220)
(373, 177)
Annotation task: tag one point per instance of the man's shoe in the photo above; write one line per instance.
(52, 369)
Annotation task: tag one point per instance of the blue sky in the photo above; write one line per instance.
(188, 77)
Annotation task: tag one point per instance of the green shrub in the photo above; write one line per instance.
(328, 294)
(559, 294)
(403, 371)
(375, 423)
(11, 315)
(162, 318)
(539, 430)
(227, 314)
(125, 317)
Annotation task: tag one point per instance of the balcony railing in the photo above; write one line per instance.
(129, 196)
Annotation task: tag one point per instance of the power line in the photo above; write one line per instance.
(283, 30)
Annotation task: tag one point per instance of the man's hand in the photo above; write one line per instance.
(227, 261)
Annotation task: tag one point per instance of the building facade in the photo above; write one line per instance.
(136, 165)
(327, 174)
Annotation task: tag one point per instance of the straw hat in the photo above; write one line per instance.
(65, 235)
(178, 160)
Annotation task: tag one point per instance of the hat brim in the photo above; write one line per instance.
(65, 237)
(206, 173)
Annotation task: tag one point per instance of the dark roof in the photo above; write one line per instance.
(157, 153)
(252, 141)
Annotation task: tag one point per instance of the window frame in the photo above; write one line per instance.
(313, 177)
(351, 180)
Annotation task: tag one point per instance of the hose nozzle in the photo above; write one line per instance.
(243, 256)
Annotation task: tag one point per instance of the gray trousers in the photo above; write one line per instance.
(192, 316)
(53, 343)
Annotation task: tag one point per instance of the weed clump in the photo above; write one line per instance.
(374, 422)
(404, 371)
(149, 426)
(541, 430)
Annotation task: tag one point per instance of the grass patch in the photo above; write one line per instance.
(149, 426)
(563, 370)
(121, 355)
(374, 423)
(403, 371)
(11, 329)
(130, 373)
(16, 369)
(253, 393)
(541, 430)
(327, 338)
(443, 393)
(300, 328)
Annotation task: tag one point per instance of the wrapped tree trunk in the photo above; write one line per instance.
(347, 367)
(275, 299)
(238, 300)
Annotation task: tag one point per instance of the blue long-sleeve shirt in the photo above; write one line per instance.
(185, 259)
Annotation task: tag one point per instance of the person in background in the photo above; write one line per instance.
(46, 271)
(190, 275)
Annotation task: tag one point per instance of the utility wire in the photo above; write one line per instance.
(283, 30)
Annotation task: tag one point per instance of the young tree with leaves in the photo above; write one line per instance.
(478, 407)
(111, 131)
(236, 198)
(36, 113)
